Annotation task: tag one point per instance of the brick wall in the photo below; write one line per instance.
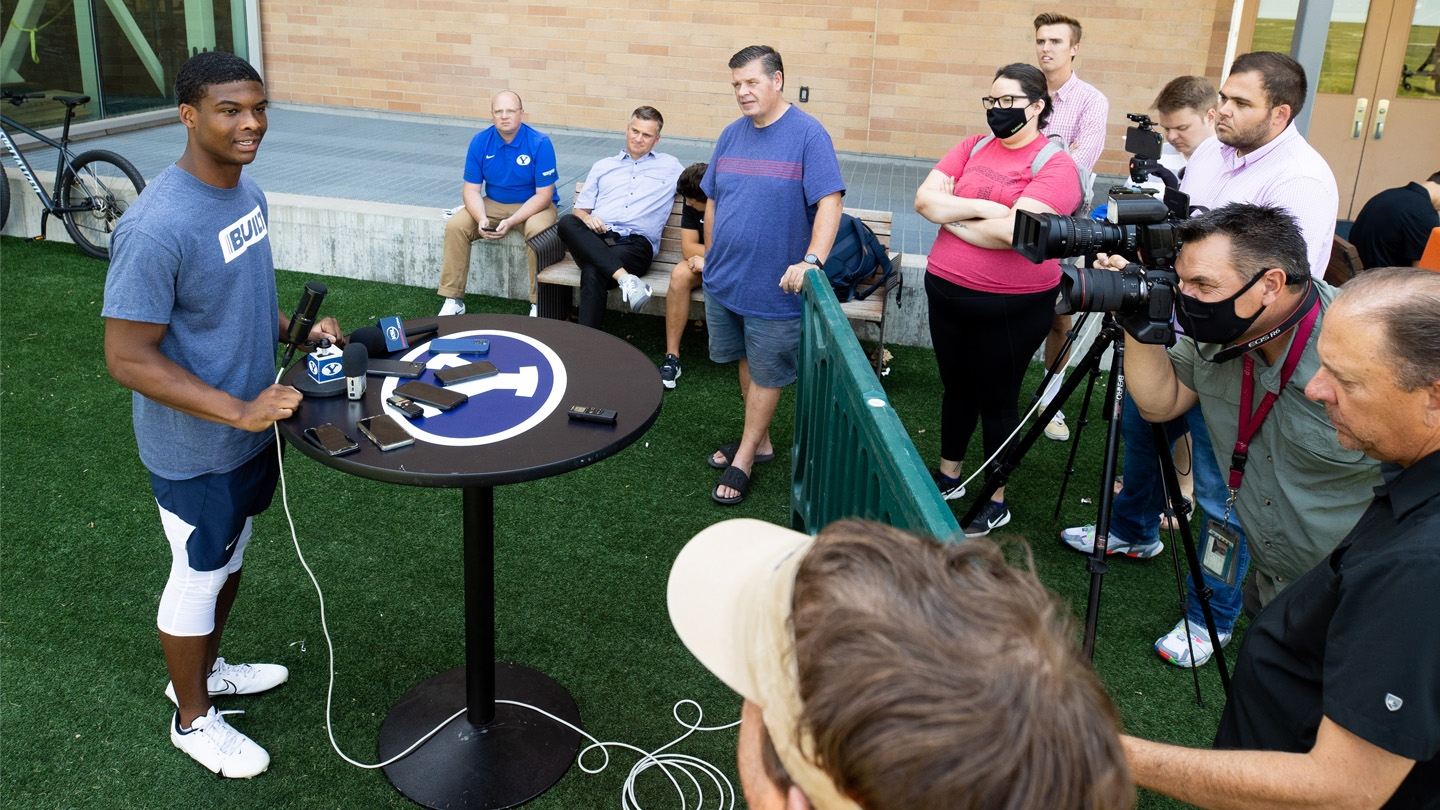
(897, 77)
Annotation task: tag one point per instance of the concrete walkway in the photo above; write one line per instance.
(418, 160)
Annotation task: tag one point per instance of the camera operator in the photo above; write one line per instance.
(1252, 315)
(1334, 702)
(1257, 157)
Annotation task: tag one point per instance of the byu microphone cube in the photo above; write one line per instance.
(325, 364)
(394, 333)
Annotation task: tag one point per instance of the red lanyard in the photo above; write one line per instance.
(1250, 424)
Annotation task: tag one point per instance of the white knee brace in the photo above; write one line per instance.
(187, 607)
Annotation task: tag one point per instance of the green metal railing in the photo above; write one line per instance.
(852, 457)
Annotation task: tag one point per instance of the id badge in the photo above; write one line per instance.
(1218, 556)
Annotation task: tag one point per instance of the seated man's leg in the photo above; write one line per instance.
(600, 264)
(683, 281)
(460, 231)
(533, 226)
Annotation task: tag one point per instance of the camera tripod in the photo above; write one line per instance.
(1111, 335)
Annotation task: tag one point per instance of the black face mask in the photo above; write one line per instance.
(1215, 321)
(1005, 123)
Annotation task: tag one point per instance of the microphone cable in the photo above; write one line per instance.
(671, 764)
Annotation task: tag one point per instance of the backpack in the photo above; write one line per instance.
(1055, 144)
(856, 256)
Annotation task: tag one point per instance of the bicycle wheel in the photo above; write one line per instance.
(4, 197)
(103, 184)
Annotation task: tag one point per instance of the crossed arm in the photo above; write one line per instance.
(1340, 771)
(982, 223)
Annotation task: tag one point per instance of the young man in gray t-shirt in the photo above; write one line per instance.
(191, 326)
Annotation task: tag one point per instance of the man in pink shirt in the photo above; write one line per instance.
(1078, 119)
(1257, 157)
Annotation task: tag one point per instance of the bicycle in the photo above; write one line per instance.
(92, 189)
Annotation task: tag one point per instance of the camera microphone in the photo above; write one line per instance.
(303, 318)
(355, 362)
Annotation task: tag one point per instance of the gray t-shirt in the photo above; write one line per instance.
(197, 258)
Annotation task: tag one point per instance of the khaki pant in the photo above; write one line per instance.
(461, 230)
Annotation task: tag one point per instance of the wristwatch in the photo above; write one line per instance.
(811, 258)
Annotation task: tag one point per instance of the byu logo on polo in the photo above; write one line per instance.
(528, 388)
(1393, 703)
(523, 160)
(237, 237)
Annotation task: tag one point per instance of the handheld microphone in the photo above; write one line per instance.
(371, 338)
(356, 361)
(303, 318)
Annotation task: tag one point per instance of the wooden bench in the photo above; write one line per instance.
(555, 282)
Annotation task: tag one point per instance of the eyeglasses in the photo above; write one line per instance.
(1003, 102)
(506, 113)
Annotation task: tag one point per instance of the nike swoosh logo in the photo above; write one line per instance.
(487, 157)
(231, 544)
(228, 689)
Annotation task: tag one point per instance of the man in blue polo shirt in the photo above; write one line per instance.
(516, 166)
(614, 232)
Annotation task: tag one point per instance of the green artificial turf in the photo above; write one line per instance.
(581, 565)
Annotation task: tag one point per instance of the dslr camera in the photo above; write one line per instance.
(1138, 226)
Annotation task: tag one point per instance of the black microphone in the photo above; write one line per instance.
(303, 318)
(355, 362)
(371, 338)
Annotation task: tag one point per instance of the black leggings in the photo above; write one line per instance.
(983, 345)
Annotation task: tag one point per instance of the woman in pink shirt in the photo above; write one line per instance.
(989, 307)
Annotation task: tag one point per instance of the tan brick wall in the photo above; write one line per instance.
(897, 77)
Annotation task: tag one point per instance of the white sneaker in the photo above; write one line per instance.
(635, 291)
(1174, 647)
(212, 742)
(1082, 539)
(453, 306)
(1056, 429)
(238, 679)
(534, 311)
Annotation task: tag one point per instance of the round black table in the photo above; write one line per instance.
(514, 428)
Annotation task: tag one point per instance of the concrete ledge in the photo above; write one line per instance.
(403, 244)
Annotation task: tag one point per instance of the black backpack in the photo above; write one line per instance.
(856, 256)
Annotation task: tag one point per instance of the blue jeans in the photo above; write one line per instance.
(1136, 515)
(1211, 493)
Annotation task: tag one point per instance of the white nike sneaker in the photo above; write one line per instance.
(453, 306)
(238, 679)
(212, 742)
(634, 291)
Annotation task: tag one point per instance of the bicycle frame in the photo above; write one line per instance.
(65, 157)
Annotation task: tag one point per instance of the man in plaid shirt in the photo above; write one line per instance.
(1078, 118)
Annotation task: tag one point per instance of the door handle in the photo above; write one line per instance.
(1361, 104)
(1382, 107)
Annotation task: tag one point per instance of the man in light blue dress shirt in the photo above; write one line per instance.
(614, 231)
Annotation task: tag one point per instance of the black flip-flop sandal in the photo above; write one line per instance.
(728, 451)
(737, 480)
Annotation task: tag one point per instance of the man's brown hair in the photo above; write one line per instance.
(1060, 19)
(940, 676)
(1281, 77)
(1187, 93)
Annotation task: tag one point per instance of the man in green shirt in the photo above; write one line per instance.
(1252, 316)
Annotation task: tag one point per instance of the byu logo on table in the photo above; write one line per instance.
(523, 160)
(528, 388)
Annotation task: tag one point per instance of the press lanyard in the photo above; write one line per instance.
(1250, 423)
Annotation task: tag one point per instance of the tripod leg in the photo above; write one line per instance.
(1192, 558)
(1095, 563)
(1015, 451)
(1080, 424)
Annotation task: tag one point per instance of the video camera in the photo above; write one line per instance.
(1138, 226)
